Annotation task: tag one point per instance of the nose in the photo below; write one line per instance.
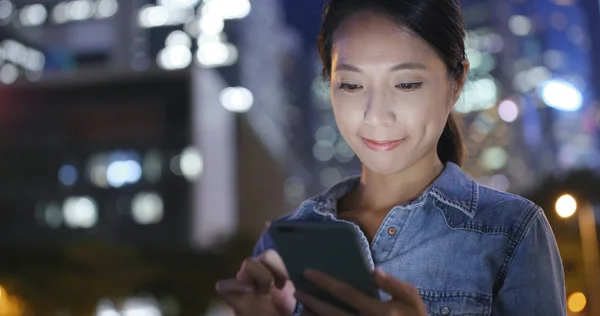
(378, 111)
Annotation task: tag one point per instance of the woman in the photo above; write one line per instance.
(441, 243)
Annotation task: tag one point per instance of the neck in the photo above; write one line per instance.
(381, 192)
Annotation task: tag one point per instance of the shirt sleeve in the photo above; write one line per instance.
(534, 281)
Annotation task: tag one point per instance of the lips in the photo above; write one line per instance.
(382, 145)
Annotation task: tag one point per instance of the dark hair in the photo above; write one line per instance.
(437, 22)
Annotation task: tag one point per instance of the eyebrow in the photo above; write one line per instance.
(402, 66)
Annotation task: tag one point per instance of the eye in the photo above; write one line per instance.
(350, 87)
(409, 86)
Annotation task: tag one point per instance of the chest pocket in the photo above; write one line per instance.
(455, 303)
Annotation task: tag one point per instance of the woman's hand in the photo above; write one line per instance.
(261, 287)
(405, 297)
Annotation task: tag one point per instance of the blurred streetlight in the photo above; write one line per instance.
(565, 207)
(576, 302)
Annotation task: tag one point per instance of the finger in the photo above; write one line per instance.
(232, 286)
(276, 266)
(318, 307)
(401, 291)
(345, 293)
(255, 273)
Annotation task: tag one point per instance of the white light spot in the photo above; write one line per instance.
(80, 212)
(174, 57)
(59, 13)
(519, 25)
(227, 9)
(106, 8)
(178, 38)
(561, 95)
(124, 172)
(211, 24)
(191, 163)
(6, 9)
(216, 54)
(8, 74)
(178, 4)
(236, 99)
(80, 10)
(153, 16)
(33, 15)
(147, 208)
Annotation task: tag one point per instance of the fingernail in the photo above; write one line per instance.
(381, 272)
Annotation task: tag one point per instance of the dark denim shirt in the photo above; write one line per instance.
(470, 250)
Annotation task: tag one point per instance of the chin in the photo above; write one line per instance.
(385, 167)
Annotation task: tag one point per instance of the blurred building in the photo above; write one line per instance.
(133, 128)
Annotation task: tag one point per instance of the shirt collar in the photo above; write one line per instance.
(453, 187)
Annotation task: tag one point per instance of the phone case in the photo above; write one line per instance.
(330, 247)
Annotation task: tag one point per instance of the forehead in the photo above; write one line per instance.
(367, 38)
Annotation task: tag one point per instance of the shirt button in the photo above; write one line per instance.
(445, 310)
(392, 231)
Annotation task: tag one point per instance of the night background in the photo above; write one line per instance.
(145, 144)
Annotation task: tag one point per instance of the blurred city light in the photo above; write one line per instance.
(227, 9)
(6, 9)
(33, 15)
(174, 57)
(106, 308)
(177, 4)
(480, 94)
(508, 111)
(216, 54)
(561, 95)
(140, 307)
(8, 73)
(122, 172)
(191, 163)
(565, 206)
(494, 158)
(80, 212)
(81, 10)
(156, 16)
(236, 99)
(178, 38)
(106, 8)
(576, 302)
(211, 24)
(147, 208)
(519, 25)
(68, 175)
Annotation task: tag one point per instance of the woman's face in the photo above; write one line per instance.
(390, 92)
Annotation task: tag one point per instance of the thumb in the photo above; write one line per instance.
(400, 291)
(276, 266)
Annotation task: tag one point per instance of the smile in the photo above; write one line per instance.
(382, 145)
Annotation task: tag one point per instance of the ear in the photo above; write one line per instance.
(460, 81)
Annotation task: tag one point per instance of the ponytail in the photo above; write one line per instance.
(450, 147)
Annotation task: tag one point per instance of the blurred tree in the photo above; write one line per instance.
(76, 277)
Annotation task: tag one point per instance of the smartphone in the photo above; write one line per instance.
(332, 248)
